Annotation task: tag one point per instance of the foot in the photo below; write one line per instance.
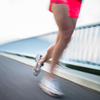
(51, 87)
(37, 68)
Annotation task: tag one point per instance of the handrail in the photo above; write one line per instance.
(84, 47)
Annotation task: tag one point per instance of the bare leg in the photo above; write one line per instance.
(63, 36)
(66, 28)
(48, 54)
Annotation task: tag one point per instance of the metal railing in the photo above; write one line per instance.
(84, 47)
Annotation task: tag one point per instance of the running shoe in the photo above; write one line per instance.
(37, 68)
(51, 87)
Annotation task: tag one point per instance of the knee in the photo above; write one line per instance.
(67, 33)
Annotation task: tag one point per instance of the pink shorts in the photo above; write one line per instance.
(72, 5)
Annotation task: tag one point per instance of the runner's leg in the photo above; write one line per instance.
(66, 28)
(48, 54)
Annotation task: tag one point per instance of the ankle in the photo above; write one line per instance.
(41, 62)
(49, 76)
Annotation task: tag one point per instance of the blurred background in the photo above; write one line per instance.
(21, 19)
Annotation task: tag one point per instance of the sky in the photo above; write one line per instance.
(27, 18)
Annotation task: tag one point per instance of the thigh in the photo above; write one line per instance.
(62, 19)
(74, 20)
(60, 12)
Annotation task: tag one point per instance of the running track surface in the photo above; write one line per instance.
(17, 82)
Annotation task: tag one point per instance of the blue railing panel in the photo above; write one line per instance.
(84, 47)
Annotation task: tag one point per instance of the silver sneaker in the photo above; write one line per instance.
(37, 68)
(51, 87)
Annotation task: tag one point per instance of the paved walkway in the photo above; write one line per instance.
(17, 82)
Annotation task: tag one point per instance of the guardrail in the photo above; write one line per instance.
(84, 47)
